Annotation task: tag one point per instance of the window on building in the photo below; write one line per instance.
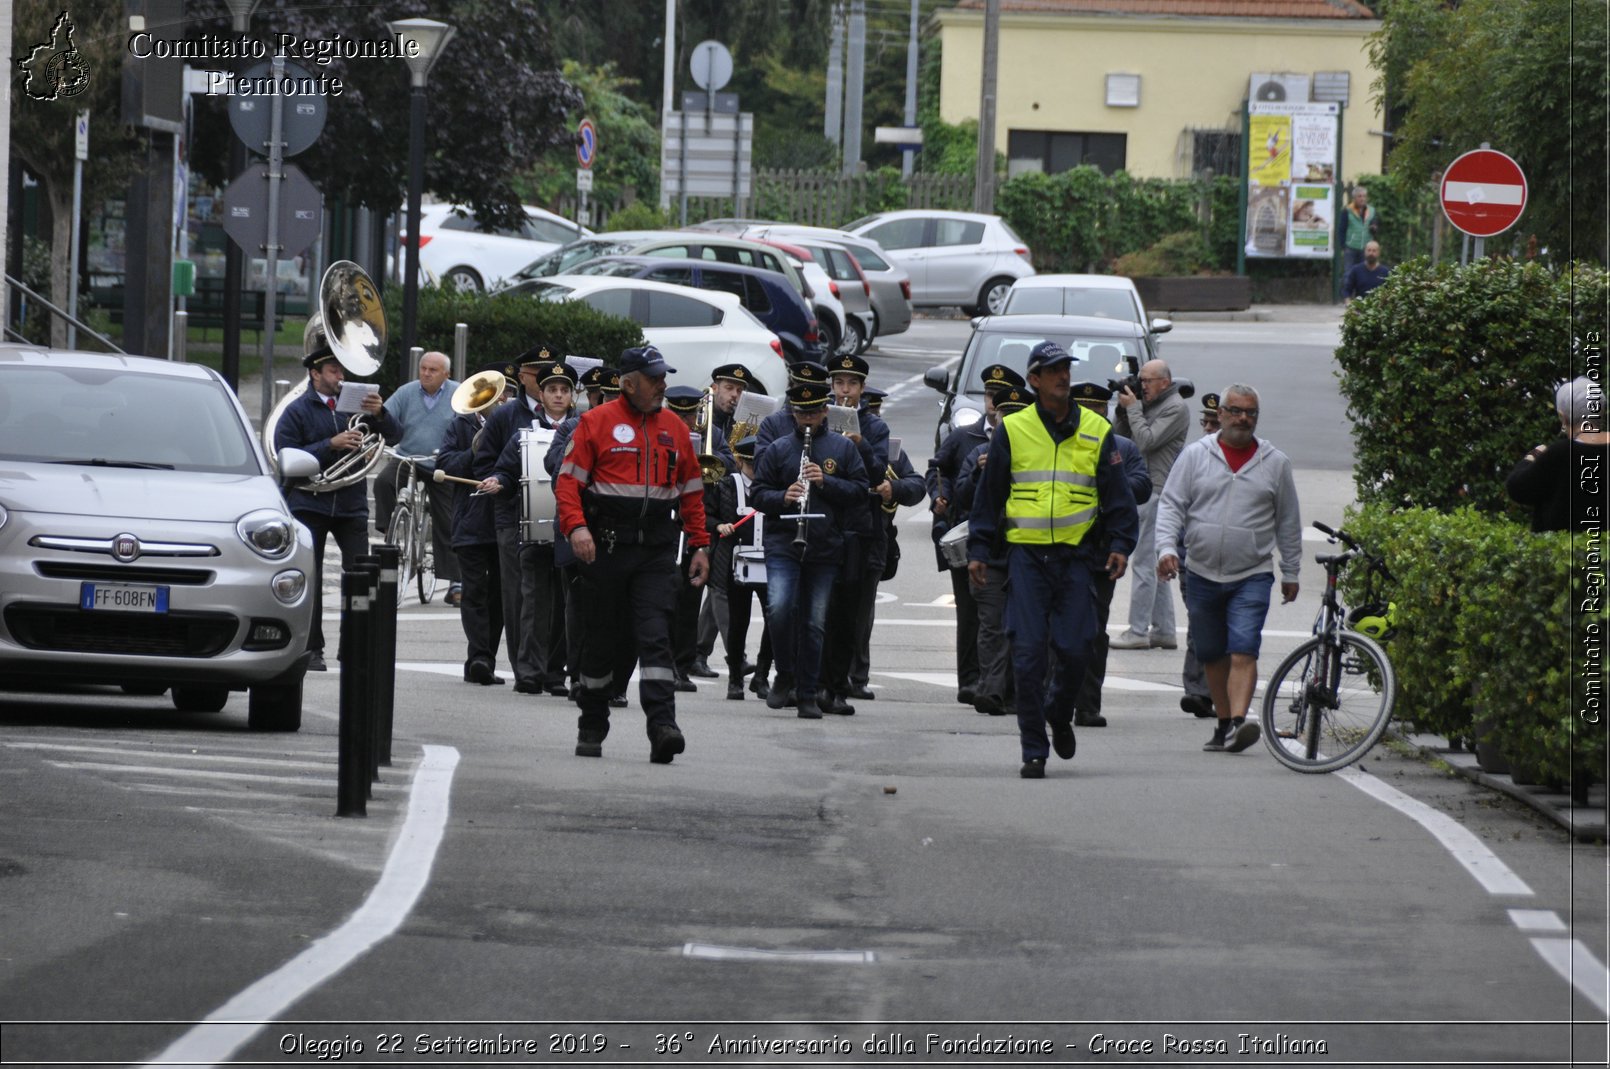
(1218, 150)
(1052, 151)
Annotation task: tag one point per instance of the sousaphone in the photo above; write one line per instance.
(351, 326)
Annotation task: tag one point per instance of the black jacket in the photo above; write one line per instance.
(843, 489)
(308, 424)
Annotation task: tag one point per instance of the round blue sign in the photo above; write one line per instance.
(586, 143)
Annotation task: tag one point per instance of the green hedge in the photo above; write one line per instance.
(1486, 627)
(501, 327)
(1449, 375)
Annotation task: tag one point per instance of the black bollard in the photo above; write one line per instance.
(352, 762)
(386, 664)
(370, 563)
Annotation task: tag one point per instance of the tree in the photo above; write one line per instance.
(496, 103)
(628, 140)
(42, 130)
(1527, 78)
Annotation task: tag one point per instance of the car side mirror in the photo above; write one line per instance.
(937, 378)
(297, 464)
(1162, 326)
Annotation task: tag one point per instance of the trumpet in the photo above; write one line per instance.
(802, 528)
(711, 467)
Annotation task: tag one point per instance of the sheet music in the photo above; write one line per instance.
(583, 364)
(844, 419)
(894, 450)
(352, 395)
(753, 407)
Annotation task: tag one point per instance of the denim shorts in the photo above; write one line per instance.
(1227, 618)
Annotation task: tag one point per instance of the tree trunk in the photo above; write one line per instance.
(60, 195)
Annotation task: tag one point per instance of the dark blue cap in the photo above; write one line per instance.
(1047, 354)
(745, 446)
(683, 398)
(646, 359)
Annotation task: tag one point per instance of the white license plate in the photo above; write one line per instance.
(120, 597)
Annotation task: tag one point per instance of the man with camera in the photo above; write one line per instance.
(1152, 414)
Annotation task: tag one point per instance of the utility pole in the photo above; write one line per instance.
(666, 102)
(984, 179)
(6, 18)
(856, 75)
(908, 157)
(833, 124)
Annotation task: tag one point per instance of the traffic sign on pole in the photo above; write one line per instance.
(1483, 192)
(586, 143)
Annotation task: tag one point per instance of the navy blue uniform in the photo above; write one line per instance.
(856, 588)
(940, 483)
(475, 541)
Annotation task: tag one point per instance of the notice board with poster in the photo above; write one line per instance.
(1292, 159)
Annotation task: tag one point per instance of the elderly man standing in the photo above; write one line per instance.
(1157, 422)
(1233, 500)
(423, 409)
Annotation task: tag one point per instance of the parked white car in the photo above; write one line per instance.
(453, 250)
(697, 330)
(954, 258)
(1102, 296)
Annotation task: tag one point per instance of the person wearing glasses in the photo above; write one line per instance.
(1156, 421)
(1232, 500)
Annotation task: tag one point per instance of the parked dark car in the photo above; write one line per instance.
(768, 295)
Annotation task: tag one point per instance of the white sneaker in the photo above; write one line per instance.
(1164, 641)
(1128, 640)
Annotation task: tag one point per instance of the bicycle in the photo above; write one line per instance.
(410, 531)
(1330, 700)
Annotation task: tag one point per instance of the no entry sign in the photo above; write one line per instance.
(1483, 193)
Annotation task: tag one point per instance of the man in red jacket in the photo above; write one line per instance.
(629, 485)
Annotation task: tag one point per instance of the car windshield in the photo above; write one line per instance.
(1060, 300)
(121, 418)
(1094, 358)
(562, 260)
(620, 268)
(869, 260)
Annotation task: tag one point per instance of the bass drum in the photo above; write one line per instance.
(538, 507)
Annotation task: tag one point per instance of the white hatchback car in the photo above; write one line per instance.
(697, 330)
(144, 540)
(954, 258)
(453, 250)
(1102, 296)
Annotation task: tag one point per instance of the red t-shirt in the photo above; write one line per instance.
(1238, 456)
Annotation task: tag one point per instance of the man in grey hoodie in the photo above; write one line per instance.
(1233, 498)
(1157, 421)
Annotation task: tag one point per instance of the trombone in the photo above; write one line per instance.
(711, 466)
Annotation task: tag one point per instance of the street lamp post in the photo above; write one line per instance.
(423, 41)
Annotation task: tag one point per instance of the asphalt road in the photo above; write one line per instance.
(865, 882)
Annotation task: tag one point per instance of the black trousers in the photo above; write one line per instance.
(481, 611)
(685, 628)
(848, 614)
(740, 604)
(966, 630)
(1089, 698)
(529, 584)
(634, 586)
(352, 538)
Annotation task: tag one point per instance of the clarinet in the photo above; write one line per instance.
(801, 538)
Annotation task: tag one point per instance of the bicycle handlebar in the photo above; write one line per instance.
(1337, 533)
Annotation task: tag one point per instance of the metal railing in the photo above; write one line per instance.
(59, 313)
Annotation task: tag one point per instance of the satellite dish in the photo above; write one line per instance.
(1270, 92)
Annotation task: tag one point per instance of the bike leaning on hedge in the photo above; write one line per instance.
(410, 531)
(1331, 698)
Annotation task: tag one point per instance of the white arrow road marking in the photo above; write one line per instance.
(232, 1025)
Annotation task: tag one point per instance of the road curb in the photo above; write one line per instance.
(1585, 822)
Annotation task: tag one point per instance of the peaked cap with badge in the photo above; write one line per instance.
(808, 395)
(733, 373)
(849, 364)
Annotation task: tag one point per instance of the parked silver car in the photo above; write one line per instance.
(891, 284)
(144, 540)
(955, 258)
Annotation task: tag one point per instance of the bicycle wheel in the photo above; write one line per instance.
(1328, 702)
(425, 574)
(400, 533)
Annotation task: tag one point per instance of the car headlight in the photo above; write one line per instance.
(4, 516)
(288, 586)
(268, 534)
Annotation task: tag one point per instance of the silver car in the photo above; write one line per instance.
(959, 259)
(891, 284)
(144, 540)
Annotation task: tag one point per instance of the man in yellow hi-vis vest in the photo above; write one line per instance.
(1051, 470)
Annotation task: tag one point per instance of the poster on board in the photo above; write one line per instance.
(1292, 159)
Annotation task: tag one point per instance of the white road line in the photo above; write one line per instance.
(232, 1025)
(1537, 920)
(1573, 960)
(208, 757)
(193, 773)
(824, 957)
(1458, 840)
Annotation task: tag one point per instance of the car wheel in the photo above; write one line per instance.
(463, 279)
(828, 332)
(855, 339)
(275, 707)
(992, 298)
(200, 699)
(869, 335)
(145, 690)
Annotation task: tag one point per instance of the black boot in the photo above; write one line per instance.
(735, 689)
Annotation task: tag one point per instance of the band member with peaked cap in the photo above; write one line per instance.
(527, 580)
(629, 484)
(780, 424)
(943, 468)
(312, 424)
(856, 586)
(739, 535)
(1053, 469)
(801, 561)
(901, 486)
(686, 401)
(727, 383)
(475, 541)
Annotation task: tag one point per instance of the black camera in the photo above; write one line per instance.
(1186, 387)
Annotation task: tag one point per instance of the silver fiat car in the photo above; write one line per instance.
(144, 541)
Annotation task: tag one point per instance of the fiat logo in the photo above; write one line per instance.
(125, 547)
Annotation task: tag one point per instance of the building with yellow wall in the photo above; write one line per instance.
(1155, 87)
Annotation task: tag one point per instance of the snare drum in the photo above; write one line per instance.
(538, 507)
(749, 566)
(953, 545)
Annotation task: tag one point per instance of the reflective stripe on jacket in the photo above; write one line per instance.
(1053, 496)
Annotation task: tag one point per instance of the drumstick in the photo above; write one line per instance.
(442, 477)
(747, 517)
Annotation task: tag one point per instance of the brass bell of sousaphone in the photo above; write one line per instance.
(351, 325)
(478, 392)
